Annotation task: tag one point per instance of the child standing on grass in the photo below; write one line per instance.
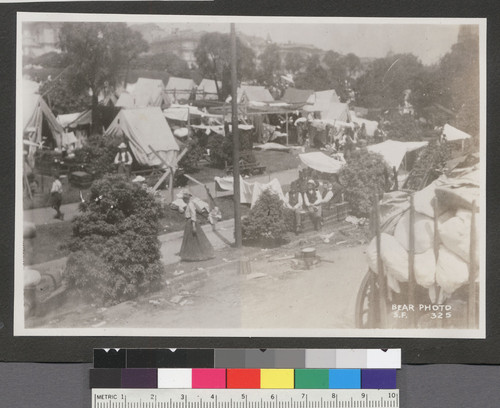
(56, 197)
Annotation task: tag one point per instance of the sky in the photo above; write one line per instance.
(429, 42)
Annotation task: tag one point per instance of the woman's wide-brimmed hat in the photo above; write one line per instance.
(311, 181)
(186, 194)
(122, 146)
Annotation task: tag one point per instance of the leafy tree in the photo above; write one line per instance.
(265, 224)
(61, 99)
(115, 251)
(314, 77)
(429, 165)
(365, 176)
(386, 79)
(271, 63)
(403, 127)
(459, 82)
(213, 56)
(294, 62)
(166, 61)
(352, 64)
(337, 72)
(97, 53)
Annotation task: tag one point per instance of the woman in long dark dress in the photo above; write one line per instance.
(195, 244)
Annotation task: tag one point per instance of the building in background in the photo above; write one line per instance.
(40, 38)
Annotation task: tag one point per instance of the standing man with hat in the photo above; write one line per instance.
(124, 160)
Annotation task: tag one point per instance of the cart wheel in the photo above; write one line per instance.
(366, 312)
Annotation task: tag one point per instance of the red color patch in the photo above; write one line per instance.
(243, 378)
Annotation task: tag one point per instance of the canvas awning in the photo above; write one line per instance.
(144, 127)
(71, 120)
(321, 162)
(180, 112)
(453, 133)
(394, 151)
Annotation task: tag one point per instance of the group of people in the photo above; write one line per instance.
(311, 201)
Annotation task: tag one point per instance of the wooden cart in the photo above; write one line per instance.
(374, 300)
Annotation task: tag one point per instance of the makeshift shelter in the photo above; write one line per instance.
(323, 102)
(73, 120)
(296, 96)
(250, 94)
(370, 125)
(207, 89)
(321, 162)
(145, 92)
(453, 134)
(249, 192)
(182, 113)
(38, 120)
(394, 152)
(145, 127)
(179, 88)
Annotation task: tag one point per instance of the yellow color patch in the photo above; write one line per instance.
(276, 378)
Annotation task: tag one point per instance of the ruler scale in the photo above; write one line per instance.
(244, 398)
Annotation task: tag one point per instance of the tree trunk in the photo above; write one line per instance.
(96, 120)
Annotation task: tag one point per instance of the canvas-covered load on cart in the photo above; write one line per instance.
(424, 256)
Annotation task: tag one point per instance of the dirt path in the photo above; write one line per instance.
(217, 296)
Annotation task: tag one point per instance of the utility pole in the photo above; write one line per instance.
(236, 141)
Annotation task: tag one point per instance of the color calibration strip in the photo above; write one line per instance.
(246, 378)
(248, 358)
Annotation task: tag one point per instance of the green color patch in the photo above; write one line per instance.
(308, 378)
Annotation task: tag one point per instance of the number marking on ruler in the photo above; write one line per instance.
(243, 398)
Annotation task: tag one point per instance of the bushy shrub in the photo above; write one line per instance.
(221, 149)
(365, 176)
(429, 165)
(191, 159)
(265, 222)
(98, 155)
(115, 251)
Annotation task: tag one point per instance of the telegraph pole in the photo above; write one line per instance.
(236, 141)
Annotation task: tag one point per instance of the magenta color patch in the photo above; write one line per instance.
(209, 378)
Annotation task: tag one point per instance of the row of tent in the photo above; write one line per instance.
(146, 127)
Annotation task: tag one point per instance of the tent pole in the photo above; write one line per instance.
(236, 142)
(171, 185)
(286, 118)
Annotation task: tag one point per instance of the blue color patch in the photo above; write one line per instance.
(345, 378)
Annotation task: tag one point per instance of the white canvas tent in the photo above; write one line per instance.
(328, 104)
(145, 92)
(35, 113)
(453, 133)
(144, 127)
(394, 151)
(321, 162)
(179, 88)
(254, 94)
(208, 89)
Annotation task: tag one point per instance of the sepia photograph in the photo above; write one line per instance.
(250, 176)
